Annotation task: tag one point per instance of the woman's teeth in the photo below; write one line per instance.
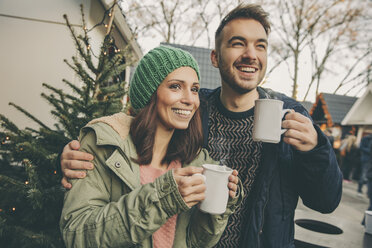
(182, 112)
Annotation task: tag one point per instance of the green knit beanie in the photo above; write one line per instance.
(153, 68)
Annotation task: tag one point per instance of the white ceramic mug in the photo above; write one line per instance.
(216, 178)
(268, 115)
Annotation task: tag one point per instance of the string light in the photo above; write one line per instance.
(7, 138)
(13, 209)
(21, 148)
(119, 50)
(55, 172)
(88, 47)
(110, 14)
(106, 25)
(104, 53)
(26, 182)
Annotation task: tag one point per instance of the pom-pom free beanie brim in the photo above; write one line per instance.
(153, 68)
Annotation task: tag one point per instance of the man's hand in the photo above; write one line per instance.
(73, 161)
(190, 186)
(301, 133)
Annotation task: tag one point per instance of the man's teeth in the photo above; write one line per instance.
(182, 112)
(247, 69)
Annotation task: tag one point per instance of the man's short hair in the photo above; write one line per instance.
(249, 11)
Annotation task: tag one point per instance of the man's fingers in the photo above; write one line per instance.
(76, 165)
(65, 183)
(295, 125)
(297, 117)
(74, 174)
(74, 145)
(295, 134)
(77, 155)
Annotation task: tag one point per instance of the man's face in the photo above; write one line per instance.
(242, 54)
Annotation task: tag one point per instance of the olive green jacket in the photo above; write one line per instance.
(110, 208)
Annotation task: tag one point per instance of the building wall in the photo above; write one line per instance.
(32, 51)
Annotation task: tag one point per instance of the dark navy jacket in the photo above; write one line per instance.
(284, 175)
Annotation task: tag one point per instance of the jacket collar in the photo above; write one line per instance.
(114, 131)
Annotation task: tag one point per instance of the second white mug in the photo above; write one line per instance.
(268, 115)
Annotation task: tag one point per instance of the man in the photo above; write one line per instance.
(366, 174)
(365, 159)
(274, 175)
(369, 178)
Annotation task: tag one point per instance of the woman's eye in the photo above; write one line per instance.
(175, 86)
(195, 89)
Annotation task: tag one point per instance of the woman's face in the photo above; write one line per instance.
(177, 98)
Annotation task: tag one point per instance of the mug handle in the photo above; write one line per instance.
(284, 111)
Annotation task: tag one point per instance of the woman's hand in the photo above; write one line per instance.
(190, 186)
(233, 183)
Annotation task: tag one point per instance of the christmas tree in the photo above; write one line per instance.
(31, 196)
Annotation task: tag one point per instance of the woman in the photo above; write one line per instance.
(143, 189)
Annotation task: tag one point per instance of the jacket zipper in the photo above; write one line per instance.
(263, 209)
(263, 216)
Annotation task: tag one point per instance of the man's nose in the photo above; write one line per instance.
(250, 53)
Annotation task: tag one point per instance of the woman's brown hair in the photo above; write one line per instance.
(184, 144)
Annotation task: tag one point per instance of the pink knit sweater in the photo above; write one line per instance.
(164, 236)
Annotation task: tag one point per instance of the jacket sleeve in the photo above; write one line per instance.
(318, 177)
(204, 229)
(90, 219)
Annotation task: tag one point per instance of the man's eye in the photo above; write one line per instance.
(237, 44)
(262, 46)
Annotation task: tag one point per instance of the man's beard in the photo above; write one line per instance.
(233, 83)
(232, 80)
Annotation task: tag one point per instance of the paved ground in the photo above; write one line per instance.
(346, 217)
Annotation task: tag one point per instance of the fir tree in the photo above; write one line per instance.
(31, 195)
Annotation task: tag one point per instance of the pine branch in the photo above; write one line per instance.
(74, 88)
(82, 74)
(18, 236)
(85, 38)
(28, 115)
(10, 187)
(80, 49)
(8, 125)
